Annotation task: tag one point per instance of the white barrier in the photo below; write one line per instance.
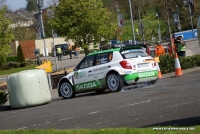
(28, 88)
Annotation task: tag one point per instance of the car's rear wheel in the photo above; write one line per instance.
(66, 90)
(114, 82)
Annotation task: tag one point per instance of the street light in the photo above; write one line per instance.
(178, 20)
(40, 5)
(187, 3)
(132, 22)
(159, 35)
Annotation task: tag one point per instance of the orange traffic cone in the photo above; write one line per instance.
(159, 72)
(178, 70)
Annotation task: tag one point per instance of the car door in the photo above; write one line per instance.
(101, 66)
(81, 79)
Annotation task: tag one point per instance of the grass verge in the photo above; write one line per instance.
(152, 130)
(15, 70)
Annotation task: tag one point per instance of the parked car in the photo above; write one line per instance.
(115, 44)
(105, 45)
(109, 69)
(144, 45)
(64, 48)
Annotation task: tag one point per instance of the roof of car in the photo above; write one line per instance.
(116, 49)
(104, 51)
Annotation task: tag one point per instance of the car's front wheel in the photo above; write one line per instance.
(66, 90)
(114, 82)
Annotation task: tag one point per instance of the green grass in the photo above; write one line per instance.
(15, 70)
(106, 131)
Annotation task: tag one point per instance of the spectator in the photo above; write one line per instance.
(180, 46)
(76, 51)
(59, 52)
(159, 49)
(70, 50)
(170, 50)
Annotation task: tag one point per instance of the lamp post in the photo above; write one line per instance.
(191, 20)
(187, 3)
(132, 22)
(159, 35)
(40, 5)
(178, 23)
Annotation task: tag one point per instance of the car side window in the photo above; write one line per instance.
(87, 62)
(103, 58)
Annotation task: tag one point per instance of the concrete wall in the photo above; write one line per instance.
(192, 47)
(39, 44)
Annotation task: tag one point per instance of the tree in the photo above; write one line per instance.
(20, 55)
(31, 5)
(6, 36)
(2, 2)
(83, 21)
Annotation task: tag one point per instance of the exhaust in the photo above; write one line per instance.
(136, 79)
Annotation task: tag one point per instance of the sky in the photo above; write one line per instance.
(16, 4)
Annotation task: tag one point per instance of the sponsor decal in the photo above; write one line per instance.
(78, 75)
(128, 72)
(88, 85)
(104, 60)
(95, 74)
(102, 68)
(146, 74)
(95, 70)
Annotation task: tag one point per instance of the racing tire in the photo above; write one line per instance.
(114, 82)
(66, 90)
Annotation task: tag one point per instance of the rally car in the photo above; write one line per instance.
(109, 69)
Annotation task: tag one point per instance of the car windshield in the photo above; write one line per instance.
(134, 54)
(115, 42)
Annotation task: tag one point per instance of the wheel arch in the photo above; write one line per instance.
(115, 71)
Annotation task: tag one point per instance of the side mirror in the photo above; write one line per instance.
(75, 69)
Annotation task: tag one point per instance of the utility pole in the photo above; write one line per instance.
(40, 5)
(159, 33)
(178, 23)
(141, 25)
(132, 22)
(191, 20)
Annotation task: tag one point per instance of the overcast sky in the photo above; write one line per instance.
(16, 4)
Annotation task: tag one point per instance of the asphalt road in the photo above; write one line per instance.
(172, 101)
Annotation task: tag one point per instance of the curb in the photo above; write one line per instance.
(172, 74)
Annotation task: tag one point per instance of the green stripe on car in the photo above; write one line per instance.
(141, 75)
(91, 84)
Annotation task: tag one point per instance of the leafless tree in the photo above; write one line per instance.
(2, 3)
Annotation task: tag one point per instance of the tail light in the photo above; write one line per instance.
(125, 64)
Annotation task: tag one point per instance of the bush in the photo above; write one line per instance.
(3, 97)
(23, 64)
(167, 63)
(14, 64)
(11, 59)
(20, 55)
(6, 66)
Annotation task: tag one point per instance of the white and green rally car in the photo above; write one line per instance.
(109, 69)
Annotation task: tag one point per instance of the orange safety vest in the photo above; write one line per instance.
(159, 50)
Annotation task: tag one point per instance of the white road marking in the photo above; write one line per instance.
(96, 112)
(135, 104)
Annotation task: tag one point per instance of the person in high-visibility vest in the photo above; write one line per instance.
(180, 46)
(96, 48)
(59, 53)
(159, 49)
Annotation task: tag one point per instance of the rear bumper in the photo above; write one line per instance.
(140, 77)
